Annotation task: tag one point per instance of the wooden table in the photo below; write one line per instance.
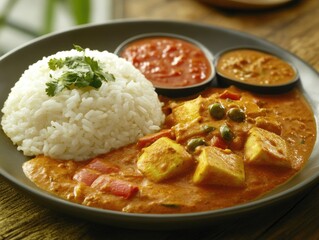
(294, 27)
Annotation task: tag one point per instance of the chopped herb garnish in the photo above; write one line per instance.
(170, 205)
(78, 48)
(208, 128)
(81, 71)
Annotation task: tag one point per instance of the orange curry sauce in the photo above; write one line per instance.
(255, 67)
(113, 181)
(168, 62)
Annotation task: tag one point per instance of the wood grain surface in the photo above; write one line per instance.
(294, 27)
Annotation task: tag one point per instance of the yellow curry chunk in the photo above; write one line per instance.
(269, 124)
(188, 111)
(164, 159)
(266, 148)
(219, 167)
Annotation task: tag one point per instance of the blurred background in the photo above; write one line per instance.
(283, 22)
(23, 20)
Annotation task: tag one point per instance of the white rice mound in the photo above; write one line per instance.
(77, 124)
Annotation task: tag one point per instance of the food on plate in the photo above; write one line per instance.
(254, 67)
(265, 147)
(169, 61)
(101, 136)
(216, 149)
(219, 166)
(78, 104)
(163, 159)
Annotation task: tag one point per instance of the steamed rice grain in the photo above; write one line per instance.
(78, 124)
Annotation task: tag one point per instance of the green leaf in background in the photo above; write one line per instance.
(49, 16)
(81, 10)
(5, 21)
(7, 9)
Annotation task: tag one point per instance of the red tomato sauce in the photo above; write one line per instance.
(169, 62)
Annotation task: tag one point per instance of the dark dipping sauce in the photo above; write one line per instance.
(169, 62)
(255, 67)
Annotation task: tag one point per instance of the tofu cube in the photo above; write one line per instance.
(187, 111)
(164, 159)
(266, 148)
(219, 167)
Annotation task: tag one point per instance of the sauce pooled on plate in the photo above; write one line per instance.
(219, 149)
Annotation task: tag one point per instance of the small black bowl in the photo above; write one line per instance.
(175, 91)
(224, 80)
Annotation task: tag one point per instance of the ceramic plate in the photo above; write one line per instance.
(247, 4)
(107, 37)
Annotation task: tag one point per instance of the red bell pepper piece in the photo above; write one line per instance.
(86, 176)
(117, 187)
(104, 167)
(218, 141)
(149, 139)
(230, 95)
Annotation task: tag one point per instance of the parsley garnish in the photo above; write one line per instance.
(81, 71)
(170, 205)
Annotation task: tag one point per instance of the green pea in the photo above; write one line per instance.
(193, 143)
(236, 114)
(226, 133)
(217, 111)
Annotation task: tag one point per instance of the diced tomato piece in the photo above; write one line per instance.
(219, 142)
(104, 167)
(115, 186)
(86, 176)
(149, 139)
(123, 188)
(230, 95)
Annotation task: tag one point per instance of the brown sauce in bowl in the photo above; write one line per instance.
(255, 67)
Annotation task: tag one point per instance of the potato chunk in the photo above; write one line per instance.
(187, 111)
(219, 167)
(164, 159)
(266, 148)
(269, 124)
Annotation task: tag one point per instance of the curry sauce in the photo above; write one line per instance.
(200, 160)
(255, 67)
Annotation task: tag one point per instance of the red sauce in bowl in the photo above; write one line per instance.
(169, 62)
